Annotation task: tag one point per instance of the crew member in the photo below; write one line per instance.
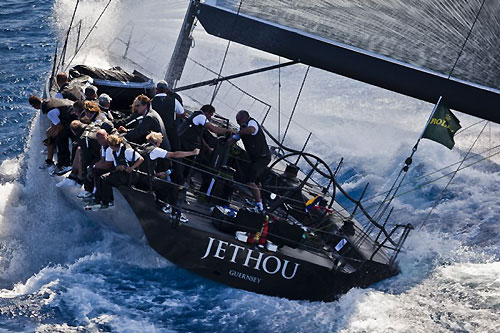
(91, 93)
(100, 167)
(150, 122)
(169, 109)
(165, 191)
(93, 114)
(88, 151)
(257, 149)
(57, 110)
(77, 110)
(66, 90)
(125, 161)
(104, 101)
(192, 130)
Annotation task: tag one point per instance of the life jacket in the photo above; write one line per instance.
(120, 158)
(71, 92)
(149, 165)
(165, 106)
(63, 105)
(189, 133)
(256, 145)
(89, 133)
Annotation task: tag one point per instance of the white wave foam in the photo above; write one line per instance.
(460, 297)
(9, 169)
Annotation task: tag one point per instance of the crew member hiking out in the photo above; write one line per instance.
(95, 170)
(257, 149)
(57, 110)
(125, 160)
(87, 152)
(93, 114)
(90, 93)
(67, 91)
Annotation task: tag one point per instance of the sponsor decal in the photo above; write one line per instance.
(254, 259)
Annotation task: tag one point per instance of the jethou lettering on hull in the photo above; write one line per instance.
(253, 258)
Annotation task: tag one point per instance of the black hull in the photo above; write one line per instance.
(211, 254)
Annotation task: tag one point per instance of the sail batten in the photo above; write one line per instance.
(461, 92)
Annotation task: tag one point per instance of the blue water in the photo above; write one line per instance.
(61, 272)
(26, 45)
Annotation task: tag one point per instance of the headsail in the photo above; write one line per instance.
(410, 48)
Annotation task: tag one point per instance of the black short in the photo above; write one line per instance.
(256, 168)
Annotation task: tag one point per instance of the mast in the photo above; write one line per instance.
(182, 46)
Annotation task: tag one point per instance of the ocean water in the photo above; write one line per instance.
(61, 271)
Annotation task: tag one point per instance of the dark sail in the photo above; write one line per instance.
(410, 48)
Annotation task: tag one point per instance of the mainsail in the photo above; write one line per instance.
(423, 49)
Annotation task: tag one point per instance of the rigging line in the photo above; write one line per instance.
(489, 135)
(422, 185)
(436, 171)
(434, 180)
(431, 181)
(279, 99)
(389, 202)
(446, 175)
(466, 39)
(371, 226)
(393, 195)
(63, 52)
(295, 105)
(88, 35)
(451, 179)
(388, 192)
(228, 81)
(261, 101)
(217, 86)
(466, 128)
(405, 168)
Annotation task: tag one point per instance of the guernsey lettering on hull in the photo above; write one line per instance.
(222, 250)
(246, 277)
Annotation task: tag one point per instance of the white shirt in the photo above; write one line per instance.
(179, 109)
(129, 154)
(54, 116)
(200, 119)
(251, 123)
(103, 152)
(158, 153)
